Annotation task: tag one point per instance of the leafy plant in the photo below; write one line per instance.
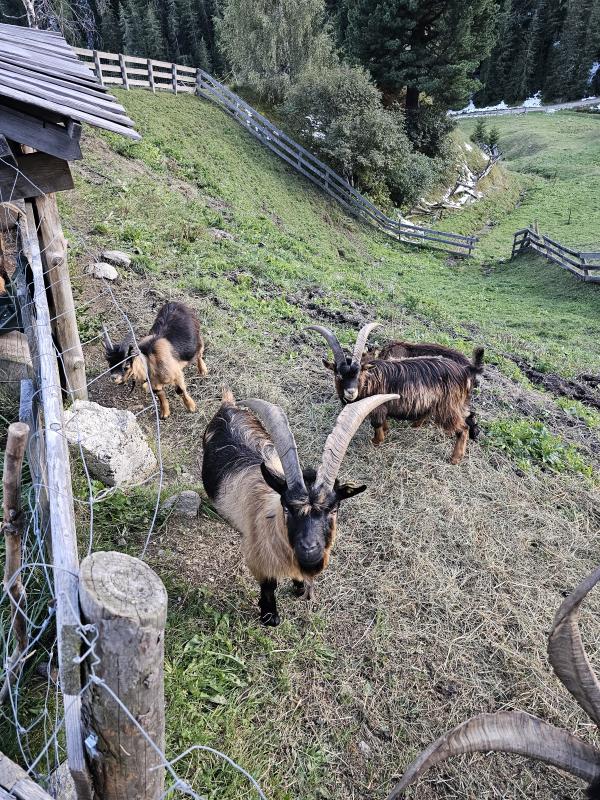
(575, 408)
(531, 445)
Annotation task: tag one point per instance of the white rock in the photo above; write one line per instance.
(184, 504)
(114, 447)
(219, 234)
(101, 269)
(117, 257)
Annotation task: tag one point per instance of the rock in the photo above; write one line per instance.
(219, 234)
(117, 257)
(114, 447)
(184, 504)
(364, 748)
(101, 269)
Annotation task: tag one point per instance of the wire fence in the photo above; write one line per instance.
(43, 690)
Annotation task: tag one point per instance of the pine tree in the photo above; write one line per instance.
(154, 43)
(204, 61)
(110, 33)
(430, 46)
(570, 69)
(480, 133)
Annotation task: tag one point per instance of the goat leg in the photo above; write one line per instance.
(181, 389)
(267, 603)
(460, 446)
(165, 410)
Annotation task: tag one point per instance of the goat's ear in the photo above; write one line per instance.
(272, 479)
(346, 490)
(329, 364)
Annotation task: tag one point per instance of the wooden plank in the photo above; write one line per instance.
(67, 111)
(135, 59)
(62, 516)
(136, 71)
(111, 68)
(36, 174)
(56, 140)
(137, 82)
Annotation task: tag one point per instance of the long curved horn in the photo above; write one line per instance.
(567, 655)
(361, 340)
(275, 421)
(106, 338)
(508, 732)
(346, 425)
(336, 348)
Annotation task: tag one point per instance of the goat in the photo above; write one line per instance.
(174, 340)
(288, 516)
(431, 388)
(521, 733)
(399, 350)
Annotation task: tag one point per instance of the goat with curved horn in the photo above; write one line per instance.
(518, 732)
(288, 516)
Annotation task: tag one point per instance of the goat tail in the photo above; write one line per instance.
(477, 361)
(227, 398)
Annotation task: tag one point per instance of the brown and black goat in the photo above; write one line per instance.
(173, 342)
(524, 734)
(397, 350)
(430, 388)
(287, 515)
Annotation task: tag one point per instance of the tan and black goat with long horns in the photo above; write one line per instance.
(431, 388)
(173, 342)
(288, 516)
(526, 735)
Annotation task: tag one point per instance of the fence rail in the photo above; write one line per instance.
(112, 68)
(585, 265)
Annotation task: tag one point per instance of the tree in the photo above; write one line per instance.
(493, 138)
(422, 46)
(479, 134)
(269, 44)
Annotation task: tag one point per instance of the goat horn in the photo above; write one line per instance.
(336, 348)
(361, 340)
(278, 428)
(106, 338)
(346, 425)
(566, 652)
(508, 732)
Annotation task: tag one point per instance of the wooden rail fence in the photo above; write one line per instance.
(127, 71)
(585, 265)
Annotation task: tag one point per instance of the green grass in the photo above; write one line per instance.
(531, 445)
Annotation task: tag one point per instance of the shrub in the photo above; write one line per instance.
(338, 114)
(428, 128)
(531, 444)
(480, 133)
(493, 137)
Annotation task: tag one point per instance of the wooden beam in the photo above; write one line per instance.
(47, 137)
(35, 174)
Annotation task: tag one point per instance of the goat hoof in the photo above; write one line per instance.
(455, 461)
(377, 442)
(165, 416)
(191, 408)
(270, 620)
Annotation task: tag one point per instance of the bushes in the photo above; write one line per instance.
(339, 115)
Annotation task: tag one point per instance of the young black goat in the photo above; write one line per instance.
(252, 474)
(348, 368)
(430, 389)
(173, 342)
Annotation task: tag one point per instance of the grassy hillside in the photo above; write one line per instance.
(444, 579)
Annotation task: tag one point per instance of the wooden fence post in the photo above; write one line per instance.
(123, 70)
(98, 66)
(127, 603)
(151, 75)
(174, 77)
(12, 528)
(54, 258)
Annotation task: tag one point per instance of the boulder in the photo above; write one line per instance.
(184, 504)
(115, 449)
(117, 257)
(102, 269)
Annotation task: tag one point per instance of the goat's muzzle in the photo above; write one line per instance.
(350, 395)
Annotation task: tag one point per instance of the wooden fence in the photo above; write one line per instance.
(585, 265)
(112, 68)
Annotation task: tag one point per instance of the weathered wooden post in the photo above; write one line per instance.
(98, 67)
(12, 528)
(151, 75)
(53, 247)
(123, 67)
(127, 603)
(174, 77)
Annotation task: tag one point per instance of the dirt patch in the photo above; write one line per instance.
(559, 386)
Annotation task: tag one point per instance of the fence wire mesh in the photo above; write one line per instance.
(39, 717)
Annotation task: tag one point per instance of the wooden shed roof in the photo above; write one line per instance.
(40, 69)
